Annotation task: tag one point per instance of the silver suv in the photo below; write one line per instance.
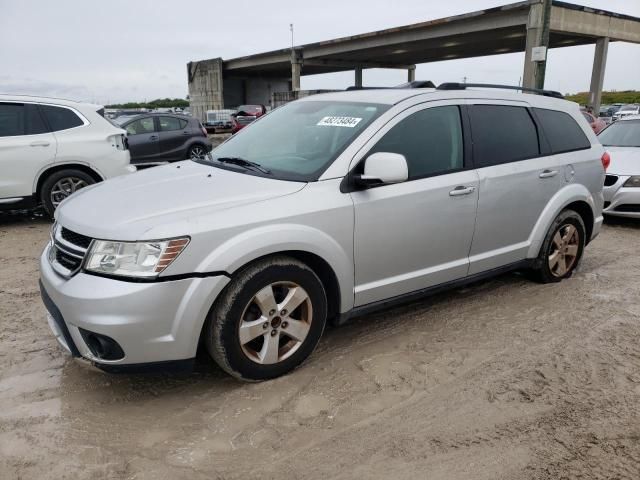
(326, 208)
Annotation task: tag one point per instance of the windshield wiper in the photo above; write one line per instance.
(244, 163)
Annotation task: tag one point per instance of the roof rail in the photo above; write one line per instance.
(462, 86)
(413, 84)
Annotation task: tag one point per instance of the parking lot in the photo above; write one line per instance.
(503, 379)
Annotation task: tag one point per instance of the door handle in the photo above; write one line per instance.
(548, 173)
(461, 190)
(153, 137)
(39, 143)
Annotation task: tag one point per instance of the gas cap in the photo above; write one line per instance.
(569, 173)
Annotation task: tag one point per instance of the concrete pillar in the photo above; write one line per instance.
(358, 77)
(206, 90)
(296, 69)
(411, 73)
(537, 36)
(597, 74)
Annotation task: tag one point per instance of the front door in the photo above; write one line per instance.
(143, 140)
(416, 234)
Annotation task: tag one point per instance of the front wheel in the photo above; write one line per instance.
(562, 248)
(197, 152)
(268, 320)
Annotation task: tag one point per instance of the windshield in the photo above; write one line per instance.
(301, 139)
(628, 108)
(623, 133)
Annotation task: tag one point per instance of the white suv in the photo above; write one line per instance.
(49, 148)
(326, 208)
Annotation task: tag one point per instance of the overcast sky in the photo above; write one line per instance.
(118, 50)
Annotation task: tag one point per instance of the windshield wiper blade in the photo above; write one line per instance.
(244, 163)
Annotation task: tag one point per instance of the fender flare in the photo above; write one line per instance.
(250, 245)
(569, 194)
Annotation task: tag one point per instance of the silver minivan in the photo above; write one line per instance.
(326, 208)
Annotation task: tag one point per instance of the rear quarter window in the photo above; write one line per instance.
(562, 131)
(60, 118)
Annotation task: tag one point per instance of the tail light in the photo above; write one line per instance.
(119, 141)
(606, 160)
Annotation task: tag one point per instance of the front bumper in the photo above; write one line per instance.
(151, 322)
(621, 201)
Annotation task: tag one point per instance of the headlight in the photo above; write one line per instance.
(632, 182)
(133, 259)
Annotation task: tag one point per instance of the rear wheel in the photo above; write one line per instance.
(562, 248)
(268, 320)
(60, 185)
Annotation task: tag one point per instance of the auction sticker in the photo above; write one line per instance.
(348, 122)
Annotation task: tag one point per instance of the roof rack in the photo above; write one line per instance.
(462, 86)
(413, 84)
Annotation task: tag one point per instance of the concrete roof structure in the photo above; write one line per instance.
(516, 27)
(485, 32)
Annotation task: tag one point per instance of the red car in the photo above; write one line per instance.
(597, 124)
(245, 115)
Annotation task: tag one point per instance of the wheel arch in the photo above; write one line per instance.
(56, 167)
(322, 253)
(574, 196)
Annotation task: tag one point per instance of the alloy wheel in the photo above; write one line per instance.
(65, 187)
(564, 250)
(275, 322)
(197, 153)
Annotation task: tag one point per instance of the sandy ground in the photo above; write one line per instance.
(504, 379)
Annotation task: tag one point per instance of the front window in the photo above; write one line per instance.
(299, 140)
(140, 126)
(624, 133)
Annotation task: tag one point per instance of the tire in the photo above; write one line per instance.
(570, 240)
(66, 182)
(238, 313)
(197, 150)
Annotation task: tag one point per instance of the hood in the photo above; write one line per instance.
(624, 160)
(125, 207)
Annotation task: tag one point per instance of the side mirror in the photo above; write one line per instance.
(383, 168)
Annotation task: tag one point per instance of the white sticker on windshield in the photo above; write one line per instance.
(348, 122)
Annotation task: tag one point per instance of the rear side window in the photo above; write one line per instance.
(60, 118)
(430, 140)
(502, 134)
(562, 131)
(11, 119)
(168, 124)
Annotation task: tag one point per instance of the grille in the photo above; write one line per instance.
(610, 180)
(68, 250)
(75, 238)
(628, 207)
(67, 261)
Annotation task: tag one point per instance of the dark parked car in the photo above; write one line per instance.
(245, 115)
(165, 137)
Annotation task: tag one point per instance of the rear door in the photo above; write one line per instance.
(26, 146)
(518, 176)
(413, 235)
(143, 139)
(174, 135)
